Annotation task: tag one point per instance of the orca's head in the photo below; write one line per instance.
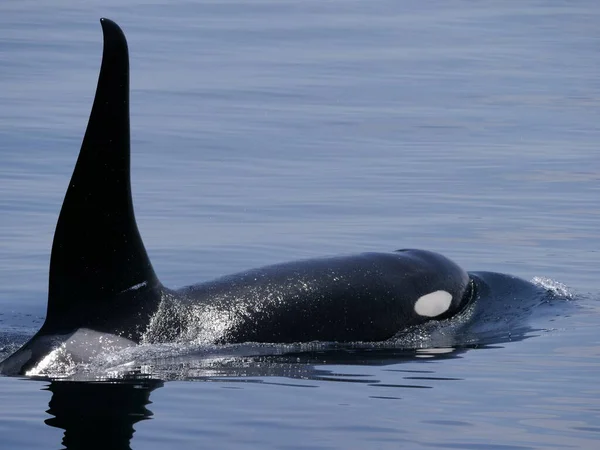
(440, 288)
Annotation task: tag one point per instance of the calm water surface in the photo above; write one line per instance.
(269, 131)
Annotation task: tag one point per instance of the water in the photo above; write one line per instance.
(267, 131)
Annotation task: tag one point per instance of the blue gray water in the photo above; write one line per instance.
(268, 131)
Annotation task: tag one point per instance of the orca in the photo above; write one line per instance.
(104, 294)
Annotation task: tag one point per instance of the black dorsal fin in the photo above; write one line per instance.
(97, 252)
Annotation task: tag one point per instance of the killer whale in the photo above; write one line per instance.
(104, 294)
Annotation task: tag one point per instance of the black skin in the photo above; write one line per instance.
(363, 297)
(101, 278)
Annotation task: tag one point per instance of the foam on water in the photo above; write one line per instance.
(553, 286)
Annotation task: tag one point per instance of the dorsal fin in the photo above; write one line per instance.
(97, 251)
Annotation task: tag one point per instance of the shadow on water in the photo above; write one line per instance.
(99, 414)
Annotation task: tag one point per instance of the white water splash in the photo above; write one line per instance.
(555, 287)
(56, 364)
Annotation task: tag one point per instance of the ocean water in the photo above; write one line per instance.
(269, 131)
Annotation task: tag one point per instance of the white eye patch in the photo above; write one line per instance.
(433, 304)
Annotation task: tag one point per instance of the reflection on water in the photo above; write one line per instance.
(301, 365)
(99, 414)
(102, 414)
